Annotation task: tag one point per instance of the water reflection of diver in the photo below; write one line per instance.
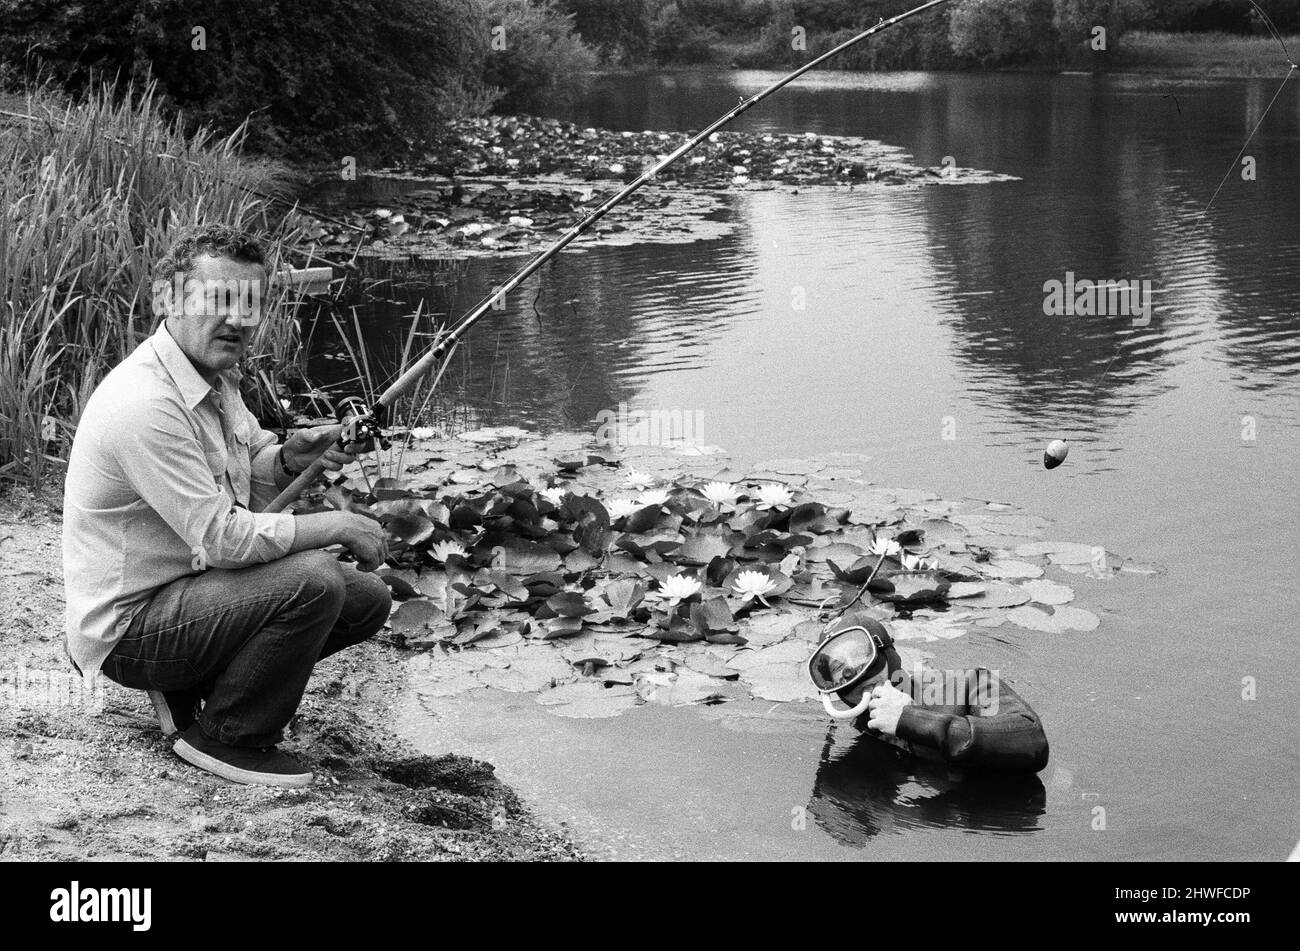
(987, 742)
(972, 719)
(864, 787)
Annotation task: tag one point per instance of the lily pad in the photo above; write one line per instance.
(997, 594)
(415, 617)
(785, 652)
(781, 683)
(678, 688)
(1053, 620)
(530, 670)
(1065, 552)
(1049, 592)
(587, 700)
(1007, 569)
(942, 628)
(910, 587)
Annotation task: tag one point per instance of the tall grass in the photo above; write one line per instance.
(92, 193)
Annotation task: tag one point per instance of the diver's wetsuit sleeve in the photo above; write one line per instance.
(1005, 738)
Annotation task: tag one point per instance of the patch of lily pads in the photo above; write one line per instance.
(510, 184)
(600, 579)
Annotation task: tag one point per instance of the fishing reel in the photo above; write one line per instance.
(362, 427)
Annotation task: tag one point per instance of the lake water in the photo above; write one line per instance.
(924, 315)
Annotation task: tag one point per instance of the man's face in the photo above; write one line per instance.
(214, 322)
(853, 697)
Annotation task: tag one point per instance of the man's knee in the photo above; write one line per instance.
(321, 585)
(372, 601)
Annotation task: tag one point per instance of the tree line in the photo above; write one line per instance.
(375, 78)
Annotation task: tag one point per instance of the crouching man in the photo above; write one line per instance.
(176, 583)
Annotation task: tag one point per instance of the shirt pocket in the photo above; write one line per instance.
(239, 465)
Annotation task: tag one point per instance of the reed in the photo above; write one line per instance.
(92, 193)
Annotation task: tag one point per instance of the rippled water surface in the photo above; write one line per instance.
(924, 310)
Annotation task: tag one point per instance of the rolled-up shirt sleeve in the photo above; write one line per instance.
(161, 457)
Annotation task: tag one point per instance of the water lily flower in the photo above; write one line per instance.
(773, 495)
(445, 549)
(652, 497)
(619, 508)
(639, 480)
(617, 168)
(518, 221)
(740, 169)
(753, 584)
(554, 494)
(679, 588)
(719, 493)
(740, 180)
(885, 546)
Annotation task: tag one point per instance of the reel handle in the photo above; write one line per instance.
(359, 425)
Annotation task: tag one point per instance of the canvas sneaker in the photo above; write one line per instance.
(255, 766)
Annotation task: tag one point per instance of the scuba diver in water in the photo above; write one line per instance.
(987, 744)
(972, 719)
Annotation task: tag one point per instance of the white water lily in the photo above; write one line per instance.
(774, 495)
(445, 549)
(652, 497)
(554, 494)
(619, 508)
(519, 221)
(679, 588)
(917, 563)
(719, 493)
(885, 546)
(617, 168)
(740, 180)
(753, 584)
(639, 480)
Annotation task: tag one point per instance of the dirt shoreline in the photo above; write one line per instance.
(78, 785)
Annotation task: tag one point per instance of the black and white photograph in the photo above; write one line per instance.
(657, 431)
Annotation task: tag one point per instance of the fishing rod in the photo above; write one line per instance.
(367, 424)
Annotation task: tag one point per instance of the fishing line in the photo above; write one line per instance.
(1058, 449)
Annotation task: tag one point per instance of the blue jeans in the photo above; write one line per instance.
(247, 638)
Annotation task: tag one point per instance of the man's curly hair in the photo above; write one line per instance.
(217, 240)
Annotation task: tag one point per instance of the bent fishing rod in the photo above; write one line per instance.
(365, 425)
